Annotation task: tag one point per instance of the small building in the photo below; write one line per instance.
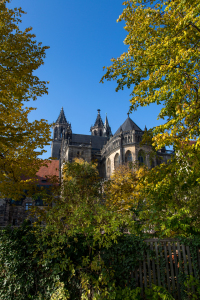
(15, 212)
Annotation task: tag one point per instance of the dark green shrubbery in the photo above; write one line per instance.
(22, 276)
(27, 272)
(34, 267)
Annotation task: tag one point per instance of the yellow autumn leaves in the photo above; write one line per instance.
(21, 141)
(162, 62)
(122, 192)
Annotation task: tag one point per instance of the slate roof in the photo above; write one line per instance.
(81, 139)
(61, 117)
(107, 129)
(106, 124)
(52, 169)
(98, 121)
(127, 126)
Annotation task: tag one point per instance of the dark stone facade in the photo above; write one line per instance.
(101, 146)
(108, 150)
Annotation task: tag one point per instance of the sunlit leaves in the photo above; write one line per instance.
(162, 63)
(122, 192)
(20, 140)
(162, 66)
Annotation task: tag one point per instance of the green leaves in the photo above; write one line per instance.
(162, 66)
(20, 56)
(162, 61)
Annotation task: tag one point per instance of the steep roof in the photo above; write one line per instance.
(96, 141)
(98, 121)
(52, 169)
(128, 125)
(61, 118)
(106, 124)
(107, 128)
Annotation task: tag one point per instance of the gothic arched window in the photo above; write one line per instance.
(128, 156)
(117, 160)
(55, 132)
(108, 171)
(152, 163)
(61, 132)
(158, 160)
(141, 157)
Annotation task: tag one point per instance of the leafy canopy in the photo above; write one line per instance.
(162, 66)
(20, 140)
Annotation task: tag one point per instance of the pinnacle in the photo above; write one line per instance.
(61, 117)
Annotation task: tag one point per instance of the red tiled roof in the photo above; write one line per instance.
(52, 169)
(192, 142)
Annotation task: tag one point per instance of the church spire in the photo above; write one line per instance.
(61, 130)
(98, 121)
(61, 118)
(97, 129)
(107, 129)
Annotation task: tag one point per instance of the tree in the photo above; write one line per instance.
(162, 66)
(162, 63)
(122, 192)
(80, 209)
(20, 140)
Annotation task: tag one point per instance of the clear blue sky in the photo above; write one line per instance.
(83, 36)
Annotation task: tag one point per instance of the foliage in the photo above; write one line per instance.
(34, 267)
(122, 191)
(21, 276)
(80, 207)
(162, 63)
(61, 293)
(20, 140)
(190, 284)
(173, 193)
(79, 220)
(157, 292)
(162, 67)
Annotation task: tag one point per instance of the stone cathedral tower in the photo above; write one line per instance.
(98, 127)
(62, 129)
(107, 150)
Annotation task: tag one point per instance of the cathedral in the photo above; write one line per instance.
(107, 149)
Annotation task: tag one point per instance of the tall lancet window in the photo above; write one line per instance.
(117, 160)
(55, 132)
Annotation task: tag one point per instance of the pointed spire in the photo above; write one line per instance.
(106, 128)
(61, 117)
(98, 121)
(145, 128)
(106, 122)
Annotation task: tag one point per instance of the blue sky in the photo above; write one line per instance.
(83, 36)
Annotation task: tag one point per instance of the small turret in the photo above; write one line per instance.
(97, 129)
(61, 118)
(61, 130)
(61, 127)
(107, 129)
